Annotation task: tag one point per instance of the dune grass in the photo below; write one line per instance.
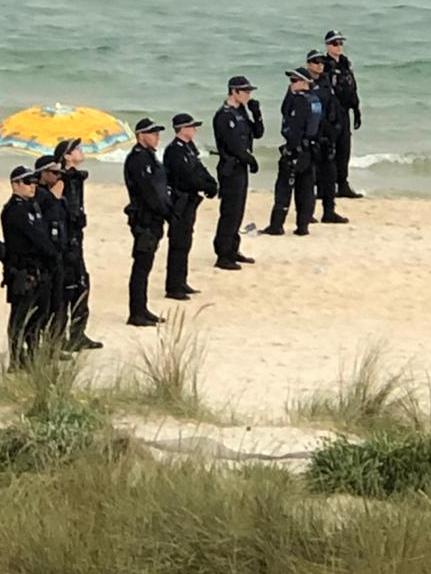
(372, 398)
(132, 515)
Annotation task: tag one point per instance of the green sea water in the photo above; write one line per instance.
(160, 58)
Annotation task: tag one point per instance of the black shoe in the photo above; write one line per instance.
(227, 264)
(345, 190)
(240, 258)
(84, 343)
(141, 322)
(313, 220)
(334, 218)
(189, 290)
(178, 295)
(301, 232)
(272, 231)
(152, 317)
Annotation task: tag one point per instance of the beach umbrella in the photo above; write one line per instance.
(38, 130)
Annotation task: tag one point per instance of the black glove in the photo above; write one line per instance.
(254, 166)
(211, 191)
(254, 107)
(357, 121)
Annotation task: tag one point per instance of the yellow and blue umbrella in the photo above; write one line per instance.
(38, 130)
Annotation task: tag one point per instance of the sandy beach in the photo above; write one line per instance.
(283, 328)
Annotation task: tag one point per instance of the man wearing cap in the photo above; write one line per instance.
(29, 260)
(149, 207)
(340, 72)
(187, 176)
(301, 117)
(77, 280)
(326, 171)
(53, 205)
(234, 133)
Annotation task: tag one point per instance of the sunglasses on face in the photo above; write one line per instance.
(55, 172)
(337, 43)
(318, 62)
(29, 181)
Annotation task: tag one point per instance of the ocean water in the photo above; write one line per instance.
(160, 58)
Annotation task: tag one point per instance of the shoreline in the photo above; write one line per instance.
(284, 328)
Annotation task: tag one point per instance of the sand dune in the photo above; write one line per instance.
(281, 328)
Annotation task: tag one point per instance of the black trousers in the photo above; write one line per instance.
(287, 183)
(29, 315)
(180, 243)
(144, 249)
(76, 295)
(233, 197)
(343, 149)
(326, 176)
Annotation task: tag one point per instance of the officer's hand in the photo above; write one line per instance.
(254, 107)
(254, 166)
(357, 118)
(211, 192)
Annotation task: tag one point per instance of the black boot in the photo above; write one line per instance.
(344, 190)
(301, 231)
(333, 217)
(240, 258)
(189, 290)
(141, 321)
(224, 263)
(275, 227)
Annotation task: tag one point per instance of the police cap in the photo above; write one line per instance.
(147, 126)
(65, 147)
(185, 121)
(300, 74)
(22, 172)
(240, 83)
(333, 36)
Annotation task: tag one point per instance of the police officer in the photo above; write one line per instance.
(187, 176)
(77, 280)
(301, 117)
(342, 79)
(29, 260)
(149, 207)
(234, 132)
(330, 127)
(53, 205)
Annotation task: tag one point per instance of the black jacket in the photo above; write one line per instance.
(300, 123)
(56, 216)
(343, 81)
(234, 132)
(331, 121)
(74, 194)
(185, 171)
(146, 182)
(27, 243)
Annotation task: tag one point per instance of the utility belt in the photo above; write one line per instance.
(300, 159)
(227, 165)
(182, 200)
(78, 220)
(23, 281)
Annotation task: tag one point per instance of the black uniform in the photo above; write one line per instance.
(330, 129)
(186, 176)
(302, 113)
(343, 82)
(76, 277)
(56, 216)
(149, 206)
(234, 133)
(30, 258)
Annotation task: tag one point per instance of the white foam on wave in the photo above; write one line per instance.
(366, 161)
